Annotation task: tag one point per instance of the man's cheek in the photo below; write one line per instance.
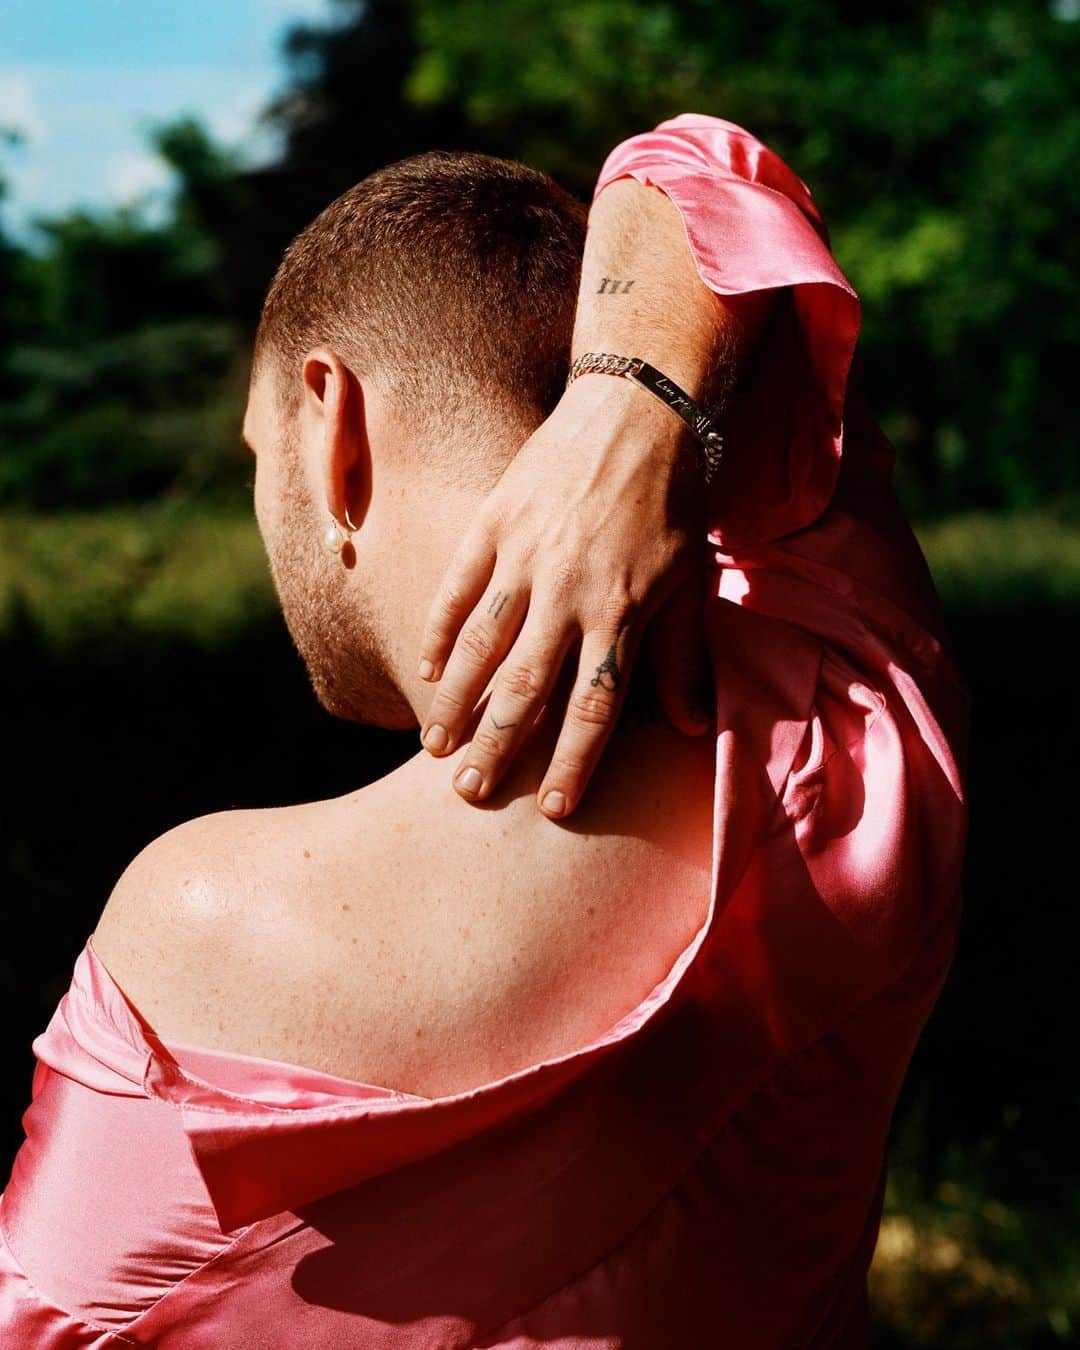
(267, 504)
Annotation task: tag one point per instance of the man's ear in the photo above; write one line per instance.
(336, 430)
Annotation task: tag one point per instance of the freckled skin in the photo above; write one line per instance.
(398, 935)
(401, 937)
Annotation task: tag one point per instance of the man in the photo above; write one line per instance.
(391, 1070)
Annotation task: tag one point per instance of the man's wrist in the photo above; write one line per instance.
(700, 421)
(621, 402)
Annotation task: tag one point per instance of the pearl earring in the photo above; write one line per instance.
(337, 535)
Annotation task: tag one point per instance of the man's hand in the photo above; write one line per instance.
(598, 524)
(595, 526)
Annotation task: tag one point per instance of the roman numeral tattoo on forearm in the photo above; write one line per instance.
(610, 287)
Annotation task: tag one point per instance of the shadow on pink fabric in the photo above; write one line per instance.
(709, 1171)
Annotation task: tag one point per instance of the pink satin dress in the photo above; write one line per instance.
(709, 1172)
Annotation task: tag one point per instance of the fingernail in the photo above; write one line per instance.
(426, 670)
(435, 738)
(554, 803)
(469, 780)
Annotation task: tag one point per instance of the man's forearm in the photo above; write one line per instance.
(641, 295)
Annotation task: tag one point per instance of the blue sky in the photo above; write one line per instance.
(82, 79)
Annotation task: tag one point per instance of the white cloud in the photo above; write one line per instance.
(18, 108)
(85, 117)
(95, 150)
(135, 174)
(232, 122)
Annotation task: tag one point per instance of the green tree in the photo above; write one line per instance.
(939, 139)
(118, 339)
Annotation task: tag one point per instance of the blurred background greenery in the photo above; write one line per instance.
(148, 675)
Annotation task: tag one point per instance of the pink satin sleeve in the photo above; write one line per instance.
(725, 1139)
(28, 1319)
(872, 811)
(752, 225)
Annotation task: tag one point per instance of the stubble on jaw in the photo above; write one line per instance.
(332, 618)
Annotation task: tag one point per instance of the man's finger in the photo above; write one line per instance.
(463, 583)
(522, 689)
(681, 659)
(487, 635)
(591, 713)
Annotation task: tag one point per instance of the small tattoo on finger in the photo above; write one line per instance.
(608, 669)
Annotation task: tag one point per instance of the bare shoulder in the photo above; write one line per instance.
(185, 873)
(398, 936)
(179, 921)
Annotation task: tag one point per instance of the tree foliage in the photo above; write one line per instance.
(939, 139)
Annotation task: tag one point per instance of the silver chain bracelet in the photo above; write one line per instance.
(667, 391)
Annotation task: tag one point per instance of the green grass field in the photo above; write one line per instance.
(201, 573)
(176, 571)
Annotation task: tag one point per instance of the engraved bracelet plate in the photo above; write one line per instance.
(667, 391)
(699, 422)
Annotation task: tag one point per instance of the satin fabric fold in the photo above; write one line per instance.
(710, 1169)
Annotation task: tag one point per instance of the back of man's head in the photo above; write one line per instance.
(452, 278)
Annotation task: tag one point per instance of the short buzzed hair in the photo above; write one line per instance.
(452, 274)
